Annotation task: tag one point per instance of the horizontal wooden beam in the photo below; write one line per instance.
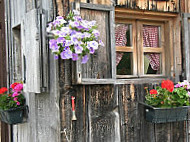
(144, 79)
(124, 48)
(96, 7)
(152, 49)
(145, 12)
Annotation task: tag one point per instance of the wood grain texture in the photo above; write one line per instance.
(99, 63)
(4, 129)
(31, 49)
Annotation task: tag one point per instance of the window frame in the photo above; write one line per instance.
(143, 50)
(131, 49)
(168, 20)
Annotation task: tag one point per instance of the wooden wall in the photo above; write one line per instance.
(43, 123)
(105, 113)
(110, 113)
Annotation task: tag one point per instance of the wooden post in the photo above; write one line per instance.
(4, 130)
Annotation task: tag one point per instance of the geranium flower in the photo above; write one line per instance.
(168, 85)
(153, 91)
(3, 90)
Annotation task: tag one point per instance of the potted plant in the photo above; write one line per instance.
(12, 104)
(167, 103)
(73, 37)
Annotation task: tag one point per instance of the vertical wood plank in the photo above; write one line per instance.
(32, 49)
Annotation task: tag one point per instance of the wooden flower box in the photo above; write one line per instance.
(164, 115)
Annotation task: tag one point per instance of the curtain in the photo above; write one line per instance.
(151, 39)
(120, 39)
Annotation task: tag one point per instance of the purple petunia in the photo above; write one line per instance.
(96, 33)
(74, 56)
(84, 59)
(67, 54)
(78, 49)
(53, 45)
(56, 57)
(60, 40)
(92, 44)
(92, 50)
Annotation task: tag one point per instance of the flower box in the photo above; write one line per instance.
(164, 115)
(14, 115)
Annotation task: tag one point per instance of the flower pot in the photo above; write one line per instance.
(14, 115)
(164, 115)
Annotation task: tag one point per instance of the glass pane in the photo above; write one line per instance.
(152, 63)
(124, 63)
(123, 35)
(151, 36)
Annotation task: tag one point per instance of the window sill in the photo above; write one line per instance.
(120, 81)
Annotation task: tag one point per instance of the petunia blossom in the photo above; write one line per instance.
(18, 88)
(15, 94)
(18, 103)
(74, 56)
(85, 59)
(15, 99)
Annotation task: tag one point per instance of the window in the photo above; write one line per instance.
(140, 48)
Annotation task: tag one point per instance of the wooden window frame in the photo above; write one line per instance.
(165, 20)
(143, 50)
(129, 48)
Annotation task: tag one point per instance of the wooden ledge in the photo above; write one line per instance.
(124, 13)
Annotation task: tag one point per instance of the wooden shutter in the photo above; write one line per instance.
(35, 52)
(101, 66)
(186, 42)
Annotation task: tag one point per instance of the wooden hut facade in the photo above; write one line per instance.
(107, 94)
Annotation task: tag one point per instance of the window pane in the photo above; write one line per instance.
(123, 35)
(151, 36)
(152, 63)
(124, 62)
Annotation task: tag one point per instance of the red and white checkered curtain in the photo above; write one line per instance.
(151, 39)
(120, 39)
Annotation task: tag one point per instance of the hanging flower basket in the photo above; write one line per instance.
(164, 115)
(73, 37)
(13, 109)
(13, 115)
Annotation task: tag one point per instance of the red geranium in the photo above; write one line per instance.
(3, 90)
(153, 91)
(168, 84)
(13, 85)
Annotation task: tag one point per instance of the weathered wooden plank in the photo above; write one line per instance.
(102, 59)
(98, 63)
(186, 46)
(4, 131)
(31, 49)
(96, 7)
(103, 113)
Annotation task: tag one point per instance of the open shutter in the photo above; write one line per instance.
(101, 66)
(31, 52)
(186, 43)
